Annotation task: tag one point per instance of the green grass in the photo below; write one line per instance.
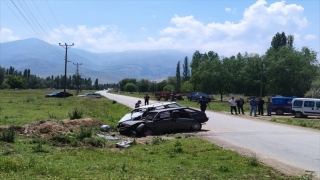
(19, 107)
(190, 158)
(77, 155)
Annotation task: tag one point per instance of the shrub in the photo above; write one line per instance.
(75, 113)
(84, 133)
(253, 161)
(8, 135)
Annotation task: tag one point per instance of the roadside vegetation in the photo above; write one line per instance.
(39, 140)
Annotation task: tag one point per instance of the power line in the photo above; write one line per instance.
(33, 30)
(52, 13)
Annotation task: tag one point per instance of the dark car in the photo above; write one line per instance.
(58, 95)
(195, 96)
(164, 121)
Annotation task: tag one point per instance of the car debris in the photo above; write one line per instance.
(111, 137)
(124, 144)
(105, 128)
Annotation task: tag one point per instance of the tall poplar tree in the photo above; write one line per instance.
(178, 85)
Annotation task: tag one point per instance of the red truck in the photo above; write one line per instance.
(168, 95)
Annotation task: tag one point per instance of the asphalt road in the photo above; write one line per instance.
(291, 149)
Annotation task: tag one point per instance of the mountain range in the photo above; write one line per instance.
(44, 59)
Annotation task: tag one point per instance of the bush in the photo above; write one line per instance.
(8, 135)
(85, 133)
(76, 113)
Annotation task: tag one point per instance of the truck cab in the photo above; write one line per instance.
(281, 105)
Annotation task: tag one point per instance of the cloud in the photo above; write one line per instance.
(143, 29)
(252, 33)
(154, 16)
(7, 35)
(228, 9)
(310, 37)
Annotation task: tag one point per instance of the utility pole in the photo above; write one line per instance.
(65, 66)
(77, 75)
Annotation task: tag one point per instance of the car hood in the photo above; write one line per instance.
(129, 117)
(133, 122)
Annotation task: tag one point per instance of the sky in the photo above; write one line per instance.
(223, 26)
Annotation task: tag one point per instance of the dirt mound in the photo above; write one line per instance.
(48, 128)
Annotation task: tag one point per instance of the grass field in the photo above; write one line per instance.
(79, 154)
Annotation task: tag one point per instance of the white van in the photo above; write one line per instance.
(303, 107)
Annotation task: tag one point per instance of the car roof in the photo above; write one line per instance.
(157, 104)
(169, 109)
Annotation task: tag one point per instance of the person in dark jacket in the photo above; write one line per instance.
(137, 104)
(203, 104)
(240, 104)
(260, 106)
(146, 100)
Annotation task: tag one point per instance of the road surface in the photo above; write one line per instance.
(291, 149)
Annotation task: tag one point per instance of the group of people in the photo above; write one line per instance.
(236, 106)
(259, 103)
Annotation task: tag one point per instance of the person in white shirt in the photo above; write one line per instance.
(233, 105)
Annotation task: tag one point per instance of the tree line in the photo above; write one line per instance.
(282, 70)
(14, 79)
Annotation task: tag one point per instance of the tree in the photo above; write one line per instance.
(186, 70)
(96, 84)
(178, 78)
(2, 70)
(290, 72)
(14, 81)
(143, 85)
(130, 87)
(278, 41)
(168, 88)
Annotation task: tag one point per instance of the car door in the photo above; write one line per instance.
(184, 120)
(309, 107)
(164, 122)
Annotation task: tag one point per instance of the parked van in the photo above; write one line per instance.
(281, 105)
(303, 107)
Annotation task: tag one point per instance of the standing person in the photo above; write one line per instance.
(240, 104)
(260, 106)
(146, 100)
(203, 104)
(137, 104)
(233, 104)
(253, 106)
(269, 107)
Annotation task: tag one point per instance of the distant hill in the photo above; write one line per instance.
(44, 60)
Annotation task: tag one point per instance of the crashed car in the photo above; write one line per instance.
(164, 121)
(137, 113)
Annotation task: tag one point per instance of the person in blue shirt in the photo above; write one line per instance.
(253, 106)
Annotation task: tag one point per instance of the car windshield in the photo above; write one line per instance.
(54, 93)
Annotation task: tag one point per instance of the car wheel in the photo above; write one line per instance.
(298, 115)
(279, 112)
(148, 132)
(196, 127)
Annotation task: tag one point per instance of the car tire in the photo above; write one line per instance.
(279, 112)
(298, 114)
(148, 132)
(196, 127)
